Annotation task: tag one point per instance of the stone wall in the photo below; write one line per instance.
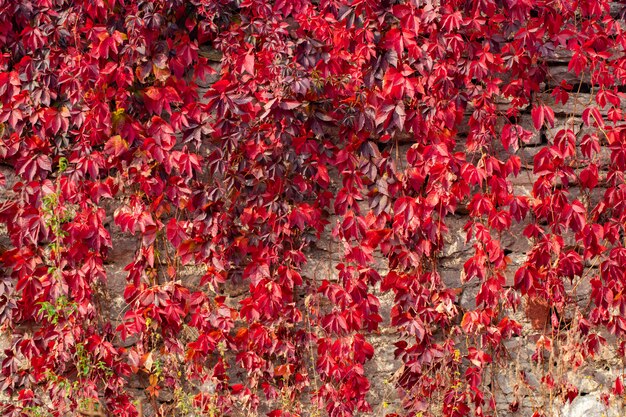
(515, 383)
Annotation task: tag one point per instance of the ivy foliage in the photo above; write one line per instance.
(228, 135)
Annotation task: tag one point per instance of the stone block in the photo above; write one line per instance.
(589, 406)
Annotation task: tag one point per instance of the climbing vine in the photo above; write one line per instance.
(229, 138)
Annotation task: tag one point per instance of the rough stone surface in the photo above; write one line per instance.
(516, 381)
(589, 406)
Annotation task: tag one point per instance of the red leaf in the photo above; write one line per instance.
(115, 146)
(589, 176)
(541, 114)
(618, 387)
(248, 63)
(256, 271)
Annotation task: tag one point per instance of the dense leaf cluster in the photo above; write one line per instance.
(229, 135)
